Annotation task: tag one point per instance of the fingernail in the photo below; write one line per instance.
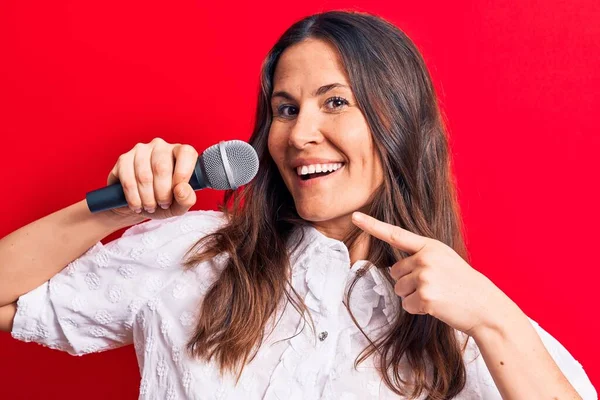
(164, 206)
(357, 216)
(137, 210)
(150, 210)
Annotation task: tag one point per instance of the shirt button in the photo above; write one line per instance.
(323, 336)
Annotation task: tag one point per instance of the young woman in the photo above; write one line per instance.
(339, 272)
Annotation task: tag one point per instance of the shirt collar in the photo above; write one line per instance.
(307, 238)
(315, 241)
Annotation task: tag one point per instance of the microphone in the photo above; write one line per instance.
(222, 166)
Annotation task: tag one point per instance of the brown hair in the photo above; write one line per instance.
(394, 91)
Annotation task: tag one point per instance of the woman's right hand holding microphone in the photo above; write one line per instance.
(155, 179)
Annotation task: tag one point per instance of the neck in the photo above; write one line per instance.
(360, 250)
(338, 230)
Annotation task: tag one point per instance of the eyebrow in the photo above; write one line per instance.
(319, 92)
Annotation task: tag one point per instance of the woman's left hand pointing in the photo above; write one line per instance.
(435, 280)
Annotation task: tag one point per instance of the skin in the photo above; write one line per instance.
(327, 125)
(434, 280)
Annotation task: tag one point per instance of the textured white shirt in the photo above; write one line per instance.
(134, 290)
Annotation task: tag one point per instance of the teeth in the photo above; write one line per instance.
(313, 168)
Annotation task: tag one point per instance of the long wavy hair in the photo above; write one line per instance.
(394, 91)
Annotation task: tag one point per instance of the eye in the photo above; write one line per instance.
(286, 110)
(336, 103)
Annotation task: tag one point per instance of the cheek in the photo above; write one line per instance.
(272, 144)
(276, 148)
(377, 171)
(366, 164)
(356, 142)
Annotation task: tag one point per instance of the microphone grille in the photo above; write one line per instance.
(243, 162)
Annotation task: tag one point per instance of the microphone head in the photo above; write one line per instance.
(230, 164)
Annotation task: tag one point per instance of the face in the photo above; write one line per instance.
(319, 138)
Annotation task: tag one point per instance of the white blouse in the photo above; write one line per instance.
(134, 290)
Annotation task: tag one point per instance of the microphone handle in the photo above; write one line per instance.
(112, 196)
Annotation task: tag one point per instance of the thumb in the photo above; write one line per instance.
(185, 198)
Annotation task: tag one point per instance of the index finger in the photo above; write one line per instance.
(398, 237)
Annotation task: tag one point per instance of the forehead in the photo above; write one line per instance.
(309, 64)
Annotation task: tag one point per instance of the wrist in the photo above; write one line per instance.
(112, 221)
(504, 331)
(501, 313)
(119, 221)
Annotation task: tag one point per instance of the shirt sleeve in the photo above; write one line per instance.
(91, 304)
(569, 366)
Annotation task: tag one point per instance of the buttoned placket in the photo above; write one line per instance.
(328, 321)
(327, 325)
(326, 333)
(323, 335)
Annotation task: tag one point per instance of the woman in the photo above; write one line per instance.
(288, 292)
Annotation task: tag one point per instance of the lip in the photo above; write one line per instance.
(308, 161)
(315, 181)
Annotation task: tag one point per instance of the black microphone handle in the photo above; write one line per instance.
(112, 196)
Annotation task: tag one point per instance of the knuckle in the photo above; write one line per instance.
(179, 192)
(129, 186)
(123, 158)
(144, 177)
(424, 277)
(161, 167)
(179, 177)
(422, 260)
(399, 289)
(158, 140)
(189, 149)
(395, 235)
(395, 270)
(426, 297)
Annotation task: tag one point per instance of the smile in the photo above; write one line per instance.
(306, 172)
(309, 180)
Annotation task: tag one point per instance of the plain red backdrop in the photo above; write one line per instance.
(81, 83)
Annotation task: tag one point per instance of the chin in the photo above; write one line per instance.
(317, 214)
(313, 214)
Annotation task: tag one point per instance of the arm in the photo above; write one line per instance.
(7, 314)
(517, 359)
(36, 252)
(435, 280)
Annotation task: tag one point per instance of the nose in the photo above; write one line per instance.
(305, 130)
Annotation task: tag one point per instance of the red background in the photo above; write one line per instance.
(81, 83)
